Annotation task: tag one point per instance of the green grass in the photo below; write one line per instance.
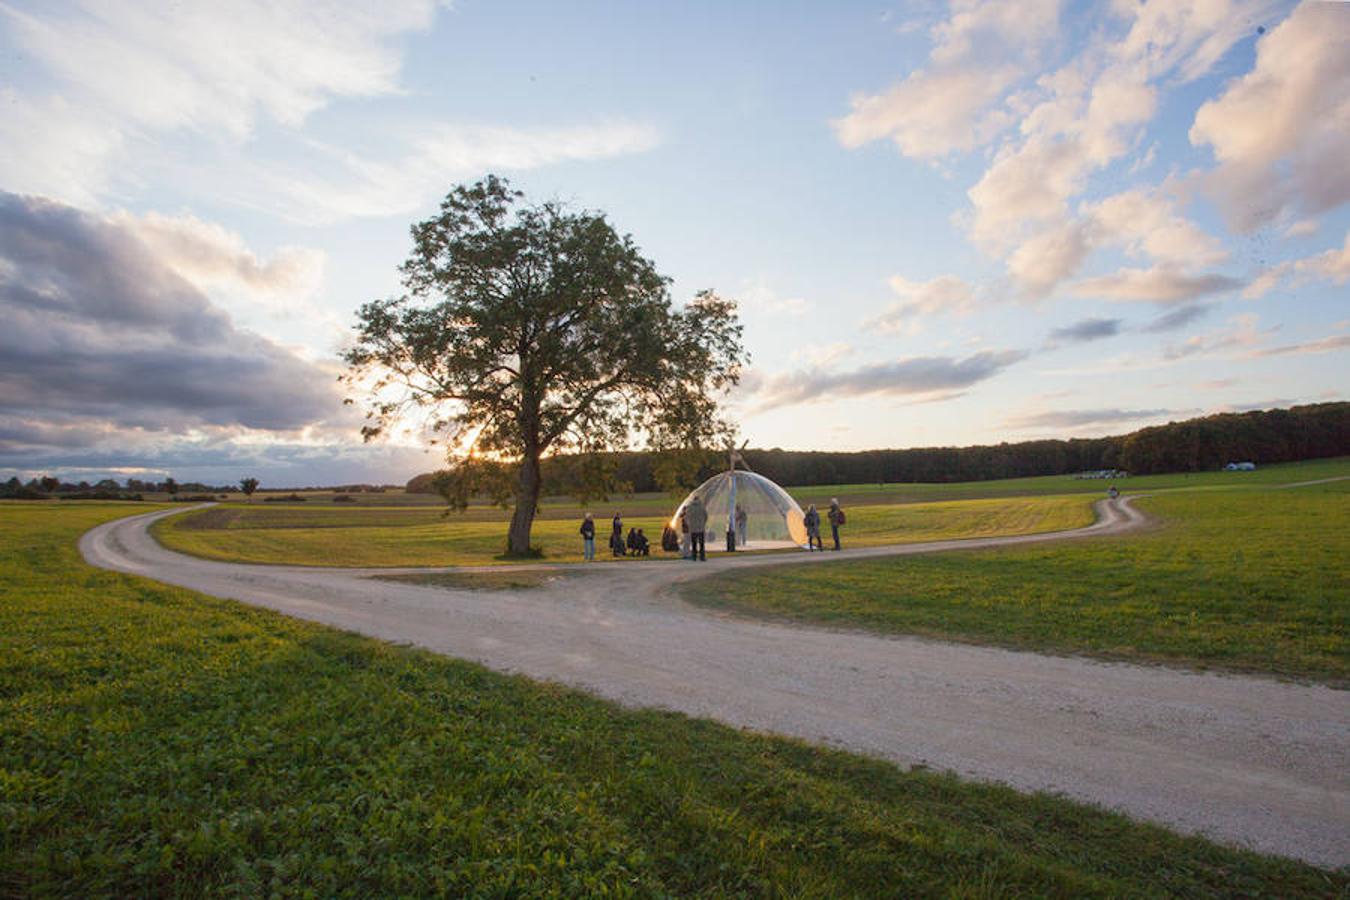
(1251, 580)
(154, 741)
(425, 537)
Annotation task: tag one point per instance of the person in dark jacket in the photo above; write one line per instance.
(631, 542)
(588, 538)
(642, 546)
(837, 518)
(812, 522)
(616, 544)
(670, 539)
(696, 514)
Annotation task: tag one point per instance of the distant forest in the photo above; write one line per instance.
(1195, 445)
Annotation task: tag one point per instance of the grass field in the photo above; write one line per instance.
(155, 741)
(424, 537)
(1256, 579)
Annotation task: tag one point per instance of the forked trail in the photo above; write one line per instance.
(1244, 760)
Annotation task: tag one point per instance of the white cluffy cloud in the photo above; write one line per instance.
(980, 51)
(941, 295)
(209, 69)
(1331, 266)
(1281, 133)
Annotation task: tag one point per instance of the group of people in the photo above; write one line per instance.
(691, 538)
(836, 518)
(635, 544)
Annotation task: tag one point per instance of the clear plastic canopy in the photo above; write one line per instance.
(766, 515)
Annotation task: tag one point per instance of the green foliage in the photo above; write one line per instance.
(157, 742)
(1244, 579)
(248, 486)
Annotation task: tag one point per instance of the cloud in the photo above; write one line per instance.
(1242, 335)
(1176, 318)
(1073, 418)
(945, 294)
(1146, 224)
(1331, 265)
(338, 184)
(1322, 345)
(99, 334)
(1041, 263)
(209, 255)
(209, 69)
(918, 375)
(1086, 330)
(1279, 132)
(1160, 284)
(979, 52)
(1302, 228)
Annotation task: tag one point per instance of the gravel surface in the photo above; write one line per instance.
(1244, 760)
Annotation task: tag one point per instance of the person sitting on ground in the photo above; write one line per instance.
(631, 542)
(642, 546)
(670, 539)
(812, 522)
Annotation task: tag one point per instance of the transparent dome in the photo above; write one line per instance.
(768, 516)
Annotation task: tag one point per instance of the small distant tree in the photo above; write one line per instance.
(530, 329)
(50, 484)
(171, 487)
(248, 486)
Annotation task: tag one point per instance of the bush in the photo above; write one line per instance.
(288, 498)
(98, 495)
(344, 498)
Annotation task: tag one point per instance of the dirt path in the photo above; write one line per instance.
(1248, 761)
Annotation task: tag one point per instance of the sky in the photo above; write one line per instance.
(945, 224)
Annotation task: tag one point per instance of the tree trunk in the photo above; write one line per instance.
(527, 501)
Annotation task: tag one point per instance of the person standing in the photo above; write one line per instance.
(812, 522)
(837, 518)
(588, 538)
(616, 545)
(684, 536)
(697, 516)
(742, 525)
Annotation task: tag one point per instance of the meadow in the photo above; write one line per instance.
(1250, 579)
(155, 741)
(393, 536)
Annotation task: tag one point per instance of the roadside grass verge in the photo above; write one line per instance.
(506, 579)
(156, 741)
(1252, 580)
(421, 537)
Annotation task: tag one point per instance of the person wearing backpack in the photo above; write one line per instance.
(588, 538)
(837, 518)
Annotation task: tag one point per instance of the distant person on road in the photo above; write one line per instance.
(697, 516)
(588, 538)
(616, 545)
(1112, 492)
(742, 525)
(837, 518)
(812, 522)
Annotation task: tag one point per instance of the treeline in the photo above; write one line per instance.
(1195, 445)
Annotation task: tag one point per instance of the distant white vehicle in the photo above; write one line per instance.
(1240, 467)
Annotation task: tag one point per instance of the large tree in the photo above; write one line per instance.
(529, 329)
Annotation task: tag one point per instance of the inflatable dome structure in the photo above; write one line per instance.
(770, 518)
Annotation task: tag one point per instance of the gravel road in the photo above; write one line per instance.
(1244, 760)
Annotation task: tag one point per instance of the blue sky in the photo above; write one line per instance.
(946, 224)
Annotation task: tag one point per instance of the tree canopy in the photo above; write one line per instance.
(528, 329)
